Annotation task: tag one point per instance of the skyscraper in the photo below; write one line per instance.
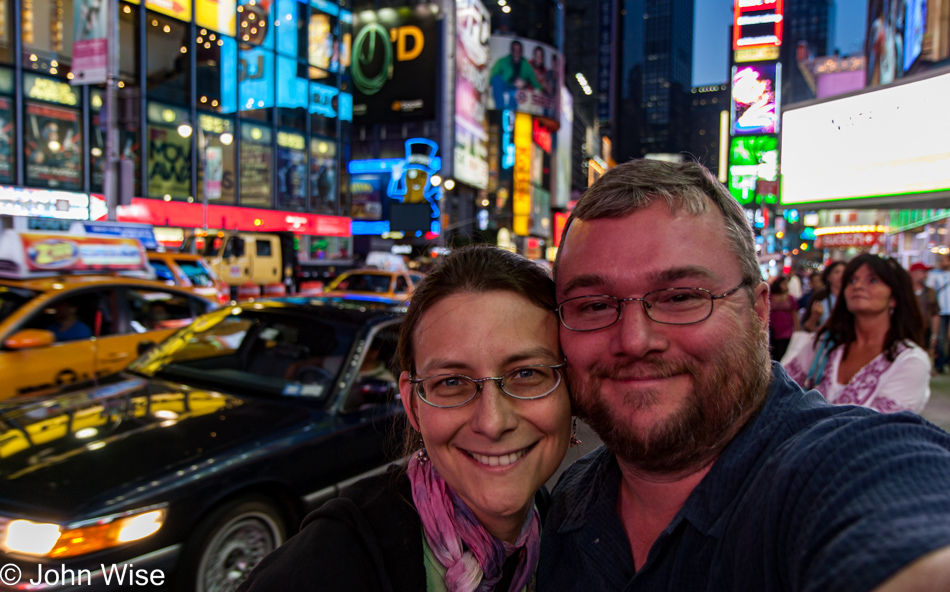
(654, 77)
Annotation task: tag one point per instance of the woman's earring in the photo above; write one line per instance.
(575, 441)
(891, 310)
(423, 454)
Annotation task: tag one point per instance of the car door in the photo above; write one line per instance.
(71, 358)
(146, 316)
(266, 263)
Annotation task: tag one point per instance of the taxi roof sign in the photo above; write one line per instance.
(28, 255)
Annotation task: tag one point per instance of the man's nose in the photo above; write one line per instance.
(636, 334)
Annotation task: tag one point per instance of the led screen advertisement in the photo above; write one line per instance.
(525, 77)
(471, 85)
(394, 64)
(752, 158)
(757, 23)
(52, 146)
(756, 98)
(894, 38)
(888, 143)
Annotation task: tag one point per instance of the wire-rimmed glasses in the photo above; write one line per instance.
(455, 390)
(670, 306)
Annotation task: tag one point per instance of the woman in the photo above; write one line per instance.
(869, 352)
(821, 303)
(783, 317)
(490, 422)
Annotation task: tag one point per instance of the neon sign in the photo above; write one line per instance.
(757, 23)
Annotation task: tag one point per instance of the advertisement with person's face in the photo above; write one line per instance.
(53, 147)
(471, 86)
(755, 98)
(885, 43)
(525, 76)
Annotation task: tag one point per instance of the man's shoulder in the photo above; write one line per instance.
(581, 485)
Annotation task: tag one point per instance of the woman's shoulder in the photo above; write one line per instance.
(908, 350)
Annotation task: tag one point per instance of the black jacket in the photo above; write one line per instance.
(369, 538)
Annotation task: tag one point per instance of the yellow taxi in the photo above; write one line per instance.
(369, 283)
(189, 271)
(72, 310)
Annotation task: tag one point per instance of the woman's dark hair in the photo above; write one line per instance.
(906, 322)
(779, 285)
(474, 269)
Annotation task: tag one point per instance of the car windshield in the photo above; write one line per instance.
(197, 271)
(363, 282)
(267, 351)
(162, 271)
(12, 299)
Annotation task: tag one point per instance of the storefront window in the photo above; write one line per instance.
(129, 147)
(323, 49)
(6, 31)
(47, 35)
(169, 67)
(257, 164)
(169, 152)
(291, 171)
(292, 86)
(219, 16)
(291, 27)
(255, 22)
(52, 134)
(324, 105)
(128, 43)
(256, 84)
(7, 127)
(217, 141)
(324, 189)
(217, 72)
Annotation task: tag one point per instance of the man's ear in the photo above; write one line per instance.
(760, 302)
(408, 398)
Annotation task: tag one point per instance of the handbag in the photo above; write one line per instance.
(798, 342)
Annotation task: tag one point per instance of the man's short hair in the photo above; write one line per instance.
(686, 186)
(514, 43)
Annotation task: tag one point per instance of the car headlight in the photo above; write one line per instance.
(51, 540)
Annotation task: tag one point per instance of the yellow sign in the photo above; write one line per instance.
(217, 15)
(757, 54)
(521, 202)
(47, 89)
(179, 9)
(294, 141)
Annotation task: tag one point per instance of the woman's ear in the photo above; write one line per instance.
(408, 398)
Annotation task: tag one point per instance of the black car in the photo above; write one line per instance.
(204, 455)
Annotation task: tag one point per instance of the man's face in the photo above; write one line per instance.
(516, 52)
(664, 398)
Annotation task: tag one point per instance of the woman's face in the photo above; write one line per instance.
(834, 279)
(868, 294)
(495, 452)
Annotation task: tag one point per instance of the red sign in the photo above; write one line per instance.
(560, 221)
(191, 215)
(757, 23)
(847, 239)
(541, 135)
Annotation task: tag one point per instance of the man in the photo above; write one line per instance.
(929, 308)
(939, 280)
(718, 472)
(511, 74)
(67, 326)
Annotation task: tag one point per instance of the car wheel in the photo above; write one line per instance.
(230, 543)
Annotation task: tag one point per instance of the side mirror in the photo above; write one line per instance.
(30, 339)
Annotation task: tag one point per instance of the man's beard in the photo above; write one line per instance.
(724, 395)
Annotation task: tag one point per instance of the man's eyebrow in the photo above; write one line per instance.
(664, 276)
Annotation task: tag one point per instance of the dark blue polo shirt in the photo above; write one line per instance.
(807, 497)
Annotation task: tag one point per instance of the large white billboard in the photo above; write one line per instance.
(891, 143)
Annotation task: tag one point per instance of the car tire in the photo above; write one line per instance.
(229, 543)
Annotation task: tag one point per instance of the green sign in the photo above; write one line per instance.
(751, 159)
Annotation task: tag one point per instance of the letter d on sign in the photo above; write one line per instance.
(418, 42)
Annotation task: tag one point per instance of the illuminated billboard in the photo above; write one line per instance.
(756, 98)
(757, 23)
(525, 77)
(888, 144)
(394, 64)
(752, 158)
(473, 27)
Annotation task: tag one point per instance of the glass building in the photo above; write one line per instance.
(250, 90)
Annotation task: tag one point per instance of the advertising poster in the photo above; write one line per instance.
(471, 85)
(291, 171)
(366, 197)
(521, 203)
(52, 147)
(214, 171)
(256, 79)
(217, 15)
(752, 158)
(7, 130)
(323, 50)
(756, 90)
(53, 252)
(169, 163)
(525, 76)
(90, 41)
(895, 38)
(394, 65)
(324, 194)
(256, 166)
(179, 9)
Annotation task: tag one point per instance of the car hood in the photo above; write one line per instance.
(125, 437)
